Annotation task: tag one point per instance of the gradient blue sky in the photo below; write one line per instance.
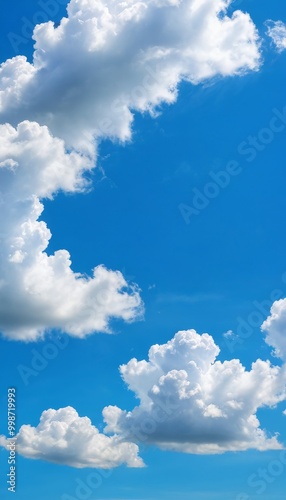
(203, 275)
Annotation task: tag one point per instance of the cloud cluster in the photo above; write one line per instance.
(275, 328)
(276, 30)
(107, 58)
(38, 291)
(193, 403)
(189, 401)
(89, 74)
(65, 438)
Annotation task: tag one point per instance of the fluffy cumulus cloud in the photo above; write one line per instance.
(189, 401)
(65, 438)
(37, 290)
(275, 328)
(107, 58)
(276, 30)
(89, 74)
(192, 402)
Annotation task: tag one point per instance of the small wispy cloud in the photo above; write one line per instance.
(276, 30)
(229, 334)
(151, 287)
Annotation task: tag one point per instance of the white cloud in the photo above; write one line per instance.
(108, 58)
(37, 291)
(229, 334)
(102, 62)
(65, 438)
(275, 328)
(191, 402)
(276, 30)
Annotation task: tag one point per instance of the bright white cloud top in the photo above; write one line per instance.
(104, 61)
(191, 402)
(108, 58)
(65, 438)
(276, 30)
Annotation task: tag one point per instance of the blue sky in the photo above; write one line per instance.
(208, 272)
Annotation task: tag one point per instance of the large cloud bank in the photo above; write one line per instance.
(38, 291)
(108, 58)
(191, 402)
(105, 60)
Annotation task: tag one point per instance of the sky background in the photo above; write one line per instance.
(203, 275)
